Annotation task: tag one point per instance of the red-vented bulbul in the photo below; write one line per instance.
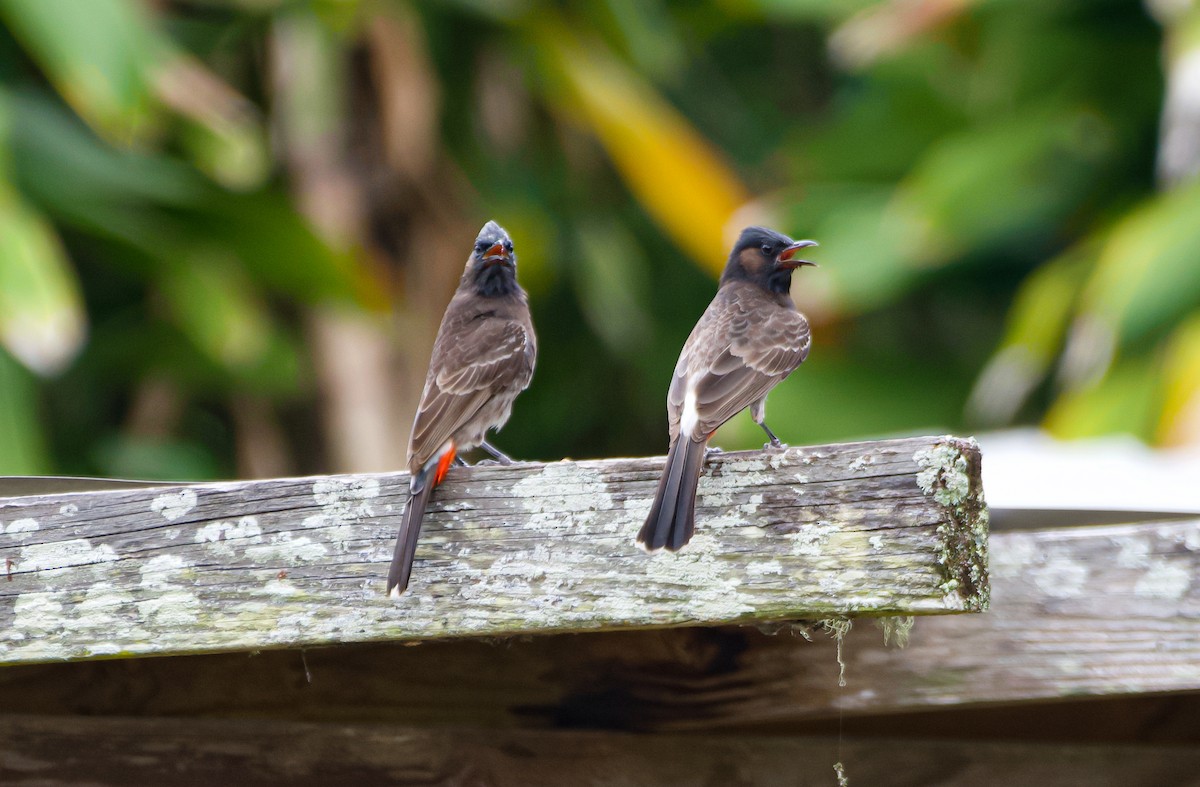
(749, 339)
(482, 358)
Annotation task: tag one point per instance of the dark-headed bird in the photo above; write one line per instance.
(482, 358)
(749, 339)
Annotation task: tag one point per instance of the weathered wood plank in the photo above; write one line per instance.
(58, 751)
(1105, 611)
(894, 527)
(1081, 611)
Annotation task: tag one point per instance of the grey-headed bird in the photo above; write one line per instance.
(482, 358)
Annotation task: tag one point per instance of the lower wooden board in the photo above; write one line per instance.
(114, 752)
(1110, 611)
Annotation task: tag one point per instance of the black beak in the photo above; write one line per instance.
(787, 256)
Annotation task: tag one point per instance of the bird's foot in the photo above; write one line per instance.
(775, 445)
(712, 450)
(498, 456)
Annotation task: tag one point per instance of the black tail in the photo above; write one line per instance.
(672, 518)
(410, 528)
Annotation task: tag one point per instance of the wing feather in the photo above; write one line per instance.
(472, 361)
(741, 348)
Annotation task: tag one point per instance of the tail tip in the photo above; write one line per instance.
(395, 588)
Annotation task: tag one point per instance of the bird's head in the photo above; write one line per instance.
(765, 257)
(492, 266)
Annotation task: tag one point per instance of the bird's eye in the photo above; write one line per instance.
(480, 248)
(508, 245)
(766, 249)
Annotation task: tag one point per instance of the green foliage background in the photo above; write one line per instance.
(210, 210)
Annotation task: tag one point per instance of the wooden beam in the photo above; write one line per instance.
(1109, 611)
(113, 752)
(1080, 611)
(892, 527)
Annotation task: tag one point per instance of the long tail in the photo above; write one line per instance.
(421, 487)
(672, 518)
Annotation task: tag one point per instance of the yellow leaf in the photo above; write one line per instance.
(1179, 422)
(677, 175)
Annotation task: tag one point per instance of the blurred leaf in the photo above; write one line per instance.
(41, 311)
(221, 129)
(99, 54)
(1179, 423)
(888, 27)
(860, 251)
(1037, 325)
(279, 249)
(836, 397)
(215, 306)
(793, 10)
(1147, 273)
(1043, 304)
(1003, 184)
(649, 34)
(681, 180)
(62, 165)
(612, 287)
(1125, 401)
(22, 446)
(161, 206)
(128, 456)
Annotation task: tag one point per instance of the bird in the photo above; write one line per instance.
(482, 358)
(747, 341)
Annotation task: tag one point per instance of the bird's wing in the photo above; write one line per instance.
(739, 350)
(471, 364)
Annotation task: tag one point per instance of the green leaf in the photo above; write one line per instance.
(279, 249)
(162, 207)
(131, 456)
(1037, 324)
(61, 164)
(216, 307)
(41, 311)
(100, 55)
(612, 286)
(1147, 275)
(22, 445)
(1010, 182)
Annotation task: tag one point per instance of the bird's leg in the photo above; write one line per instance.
(775, 441)
(496, 453)
(758, 411)
(460, 462)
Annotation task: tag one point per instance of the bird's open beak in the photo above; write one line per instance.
(496, 254)
(787, 257)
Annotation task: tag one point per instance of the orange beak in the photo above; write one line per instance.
(787, 256)
(496, 254)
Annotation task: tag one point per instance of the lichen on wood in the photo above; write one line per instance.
(896, 527)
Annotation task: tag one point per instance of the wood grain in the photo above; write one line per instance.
(1109, 611)
(893, 527)
(46, 751)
